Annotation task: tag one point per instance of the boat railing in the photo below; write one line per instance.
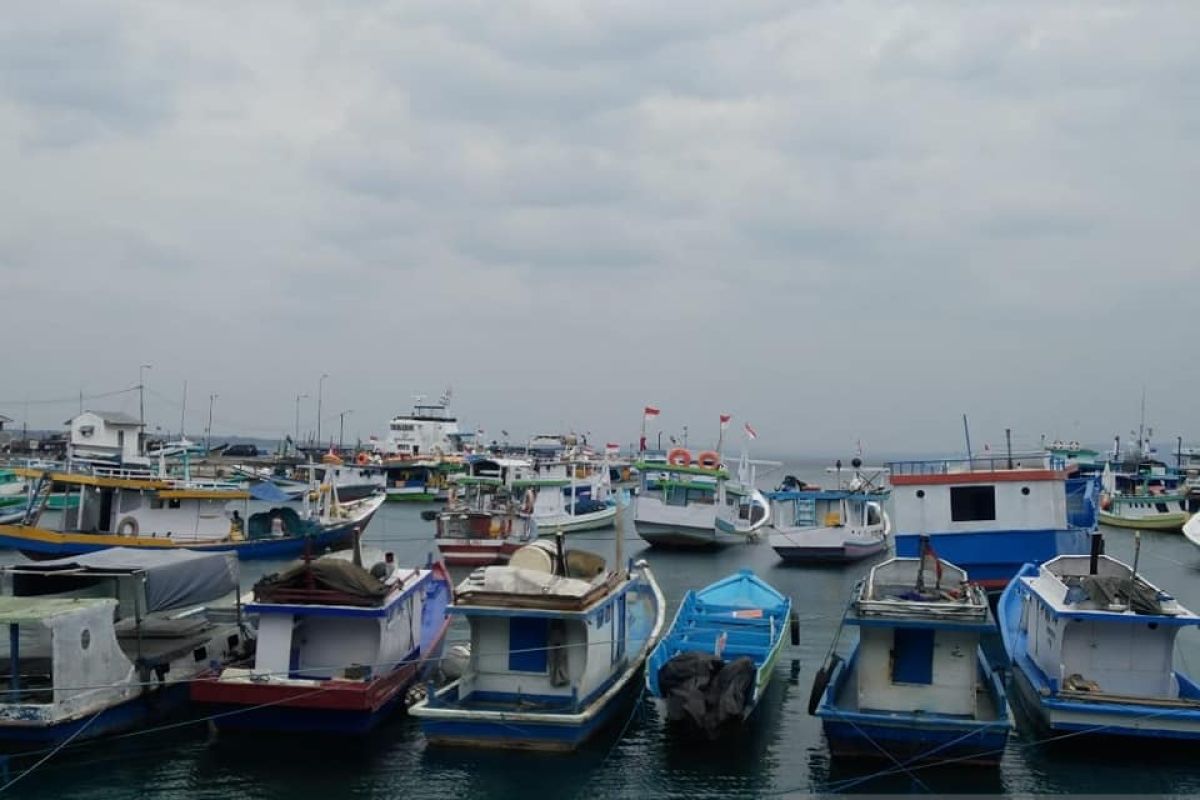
(990, 462)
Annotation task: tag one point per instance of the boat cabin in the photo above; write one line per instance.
(824, 509)
(1100, 628)
(106, 435)
(991, 515)
(548, 631)
(920, 623)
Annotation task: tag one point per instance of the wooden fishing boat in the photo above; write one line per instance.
(339, 645)
(1092, 644)
(917, 618)
(558, 643)
(714, 663)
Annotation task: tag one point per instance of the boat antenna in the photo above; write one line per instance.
(967, 434)
(1008, 445)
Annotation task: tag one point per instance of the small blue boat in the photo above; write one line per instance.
(917, 687)
(1092, 649)
(714, 664)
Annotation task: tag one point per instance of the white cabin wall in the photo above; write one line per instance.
(328, 645)
(1123, 658)
(489, 660)
(1044, 508)
(952, 690)
(273, 646)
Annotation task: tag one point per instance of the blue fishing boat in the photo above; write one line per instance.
(990, 515)
(558, 643)
(917, 687)
(713, 665)
(1092, 648)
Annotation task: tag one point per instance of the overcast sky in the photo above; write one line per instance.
(839, 221)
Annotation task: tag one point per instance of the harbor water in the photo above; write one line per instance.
(781, 751)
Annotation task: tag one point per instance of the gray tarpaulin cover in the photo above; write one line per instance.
(174, 578)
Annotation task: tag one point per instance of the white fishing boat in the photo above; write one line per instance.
(696, 504)
(429, 431)
(110, 641)
(810, 524)
(569, 496)
(558, 643)
(1093, 643)
(1143, 495)
(482, 522)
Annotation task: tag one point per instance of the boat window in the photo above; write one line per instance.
(1162, 507)
(33, 681)
(872, 514)
(912, 655)
(972, 503)
(527, 638)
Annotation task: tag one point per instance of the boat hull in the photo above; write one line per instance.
(582, 522)
(515, 733)
(1115, 721)
(1172, 521)
(825, 545)
(41, 545)
(680, 537)
(137, 712)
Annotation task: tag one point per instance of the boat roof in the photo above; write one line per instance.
(18, 610)
(1023, 467)
(925, 592)
(172, 578)
(826, 494)
(1069, 588)
(111, 417)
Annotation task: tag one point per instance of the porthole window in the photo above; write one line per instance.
(85, 639)
(920, 494)
(1025, 490)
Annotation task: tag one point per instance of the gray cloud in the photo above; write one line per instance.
(836, 220)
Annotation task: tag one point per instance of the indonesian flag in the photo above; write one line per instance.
(725, 420)
(651, 411)
(612, 448)
(750, 432)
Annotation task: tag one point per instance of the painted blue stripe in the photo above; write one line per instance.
(134, 713)
(998, 555)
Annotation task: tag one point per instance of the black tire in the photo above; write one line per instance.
(794, 625)
(821, 683)
(429, 515)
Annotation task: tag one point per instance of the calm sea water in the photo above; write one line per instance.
(782, 752)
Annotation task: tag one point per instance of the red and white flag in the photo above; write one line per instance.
(753, 434)
(612, 448)
(725, 420)
(651, 411)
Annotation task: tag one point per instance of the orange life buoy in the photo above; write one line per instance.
(1105, 502)
(362, 459)
(679, 457)
(709, 459)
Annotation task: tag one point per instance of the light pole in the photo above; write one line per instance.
(320, 391)
(342, 426)
(299, 397)
(142, 394)
(208, 430)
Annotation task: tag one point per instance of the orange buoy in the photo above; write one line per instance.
(709, 459)
(679, 457)
(362, 459)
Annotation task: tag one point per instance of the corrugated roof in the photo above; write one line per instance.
(111, 417)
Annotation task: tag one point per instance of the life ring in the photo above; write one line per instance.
(1105, 502)
(709, 459)
(127, 527)
(362, 459)
(528, 501)
(821, 683)
(679, 457)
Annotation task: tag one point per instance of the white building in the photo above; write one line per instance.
(108, 435)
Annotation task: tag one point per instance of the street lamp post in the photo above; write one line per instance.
(299, 397)
(320, 391)
(342, 427)
(208, 430)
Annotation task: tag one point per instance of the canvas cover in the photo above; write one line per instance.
(323, 574)
(705, 693)
(174, 578)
